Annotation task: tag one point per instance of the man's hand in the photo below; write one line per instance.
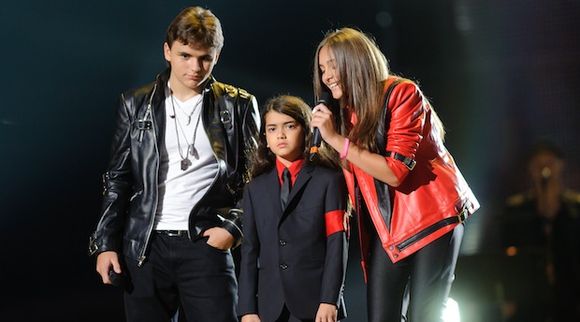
(326, 313)
(219, 238)
(106, 261)
(251, 318)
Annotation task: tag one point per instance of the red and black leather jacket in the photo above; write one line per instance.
(433, 196)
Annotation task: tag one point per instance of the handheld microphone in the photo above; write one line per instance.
(316, 137)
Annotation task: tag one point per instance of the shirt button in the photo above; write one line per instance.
(283, 266)
(282, 242)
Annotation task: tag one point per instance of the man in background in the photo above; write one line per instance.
(541, 236)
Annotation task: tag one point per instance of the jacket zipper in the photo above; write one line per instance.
(426, 232)
(105, 179)
(149, 113)
(215, 157)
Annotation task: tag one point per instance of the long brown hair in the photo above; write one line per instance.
(297, 109)
(362, 69)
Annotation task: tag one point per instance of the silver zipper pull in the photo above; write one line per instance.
(140, 261)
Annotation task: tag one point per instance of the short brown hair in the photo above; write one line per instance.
(196, 25)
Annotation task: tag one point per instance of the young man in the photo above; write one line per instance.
(176, 174)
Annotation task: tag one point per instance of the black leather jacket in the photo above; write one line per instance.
(231, 120)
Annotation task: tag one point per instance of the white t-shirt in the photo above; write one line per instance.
(179, 190)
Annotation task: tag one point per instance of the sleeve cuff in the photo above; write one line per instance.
(233, 226)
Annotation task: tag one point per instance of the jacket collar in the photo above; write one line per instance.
(294, 169)
(157, 101)
(161, 82)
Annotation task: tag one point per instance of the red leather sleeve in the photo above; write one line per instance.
(407, 110)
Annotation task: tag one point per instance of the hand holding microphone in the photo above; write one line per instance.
(316, 136)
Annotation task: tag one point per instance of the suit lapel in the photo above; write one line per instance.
(272, 191)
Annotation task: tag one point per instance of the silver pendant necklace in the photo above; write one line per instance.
(183, 111)
(191, 150)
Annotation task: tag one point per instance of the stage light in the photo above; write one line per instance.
(451, 311)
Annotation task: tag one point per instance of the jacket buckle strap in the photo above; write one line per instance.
(462, 216)
(144, 125)
(93, 247)
(408, 162)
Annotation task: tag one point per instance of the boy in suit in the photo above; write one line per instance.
(294, 249)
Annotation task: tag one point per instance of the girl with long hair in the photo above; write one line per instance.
(410, 197)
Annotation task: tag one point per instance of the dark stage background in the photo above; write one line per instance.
(502, 74)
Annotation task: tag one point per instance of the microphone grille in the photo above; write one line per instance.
(324, 98)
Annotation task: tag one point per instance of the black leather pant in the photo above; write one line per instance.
(416, 288)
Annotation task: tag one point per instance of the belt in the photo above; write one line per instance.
(173, 233)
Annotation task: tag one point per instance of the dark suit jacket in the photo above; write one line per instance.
(287, 256)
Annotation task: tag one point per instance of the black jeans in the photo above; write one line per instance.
(416, 288)
(180, 273)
